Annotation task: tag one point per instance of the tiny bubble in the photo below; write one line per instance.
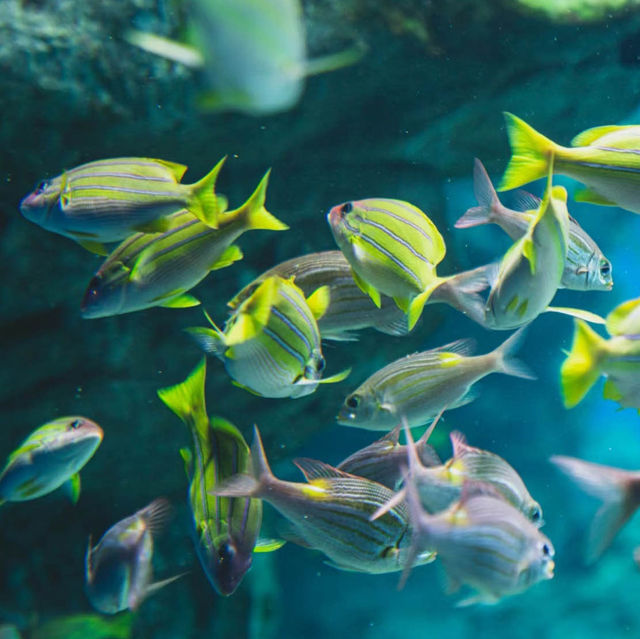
(263, 127)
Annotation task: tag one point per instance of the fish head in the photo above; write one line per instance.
(38, 206)
(229, 566)
(362, 407)
(340, 220)
(599, 273)
(105, 294)
(73, 439)
(538, 564)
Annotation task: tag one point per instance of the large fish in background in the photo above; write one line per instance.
(253, 53)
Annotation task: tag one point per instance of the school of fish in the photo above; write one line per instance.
(389, 507)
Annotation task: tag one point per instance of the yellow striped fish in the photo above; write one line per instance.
(605, 158)
(226, 528)
(585, 267)
(331, 512)
(157, 269)
(107, 200)
(271, 344)
(393, 249)
(421, 385)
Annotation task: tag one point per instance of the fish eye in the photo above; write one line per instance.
(347, 207)
(605, 268)
(94, 285)
(41, 187)
(546, 550)
(535, 514)
(352, 401)
(75, 424)
(320, 364)
(226, 553)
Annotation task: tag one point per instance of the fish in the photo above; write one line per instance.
(619, 491)
(52, 455)
(585, 268)
(393, 249)
(157, 269)
(591, 356)
(253, 54)
(271, 344)
(531, 270)
(604, 158)
(226, 528)
(384, 460)
(441, 485)
(421, 385)
(118, 568)
(483, 542)
(351, 310)
(331, 513)
(85, 626)
(107, 200)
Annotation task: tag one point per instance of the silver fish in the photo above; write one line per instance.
(585, 268)
(619, 491)
(384, 460)
(483, 542)
(118, 568)
(331, 512)
(352, 310)
(51, 456)
(419, 386)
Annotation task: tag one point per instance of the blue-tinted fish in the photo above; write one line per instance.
(385, 460)
(393, 249)
(441, 485)
(585, 268)
(253, 53)
(271, 344)
(331, 513)
(157, 269)
(421, 385)
(352, 310)
(483, 542)
(107, 200)
(619, 491)
(605, 158)
(118, 568)
(226, 528)
(51, 456)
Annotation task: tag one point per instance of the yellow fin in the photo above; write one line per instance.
(93, 247)
(617, 317)
(177, 170)
(418, 302)
(254, 313)
(590, 196)
(319, 301)
(580, 370)
(402, 303)
(531, 152)
(591, 135)
(257, 217)
(205, 203)
(338, 377)
(335, 61)
(231, 254)
(181, 301)
(610, 391)
(160, 225)
(268, 545)
(366, 288)
(166, 48)
(529, 251)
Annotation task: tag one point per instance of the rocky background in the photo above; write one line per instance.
(405, 122)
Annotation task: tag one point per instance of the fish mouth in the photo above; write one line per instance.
(549, 568)
(345, 417)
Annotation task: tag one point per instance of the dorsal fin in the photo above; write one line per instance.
(591, 135)
(314, 469)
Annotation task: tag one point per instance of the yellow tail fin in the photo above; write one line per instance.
(530, 154)
(580, 370)
(205, 204)
(257, 217)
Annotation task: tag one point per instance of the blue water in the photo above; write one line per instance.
(404, 122)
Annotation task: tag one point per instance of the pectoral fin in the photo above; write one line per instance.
(268, 545)
(231, 254)
(587, 195)
(72, 488)
(180, 301)
(93, 247)
(366, 288)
